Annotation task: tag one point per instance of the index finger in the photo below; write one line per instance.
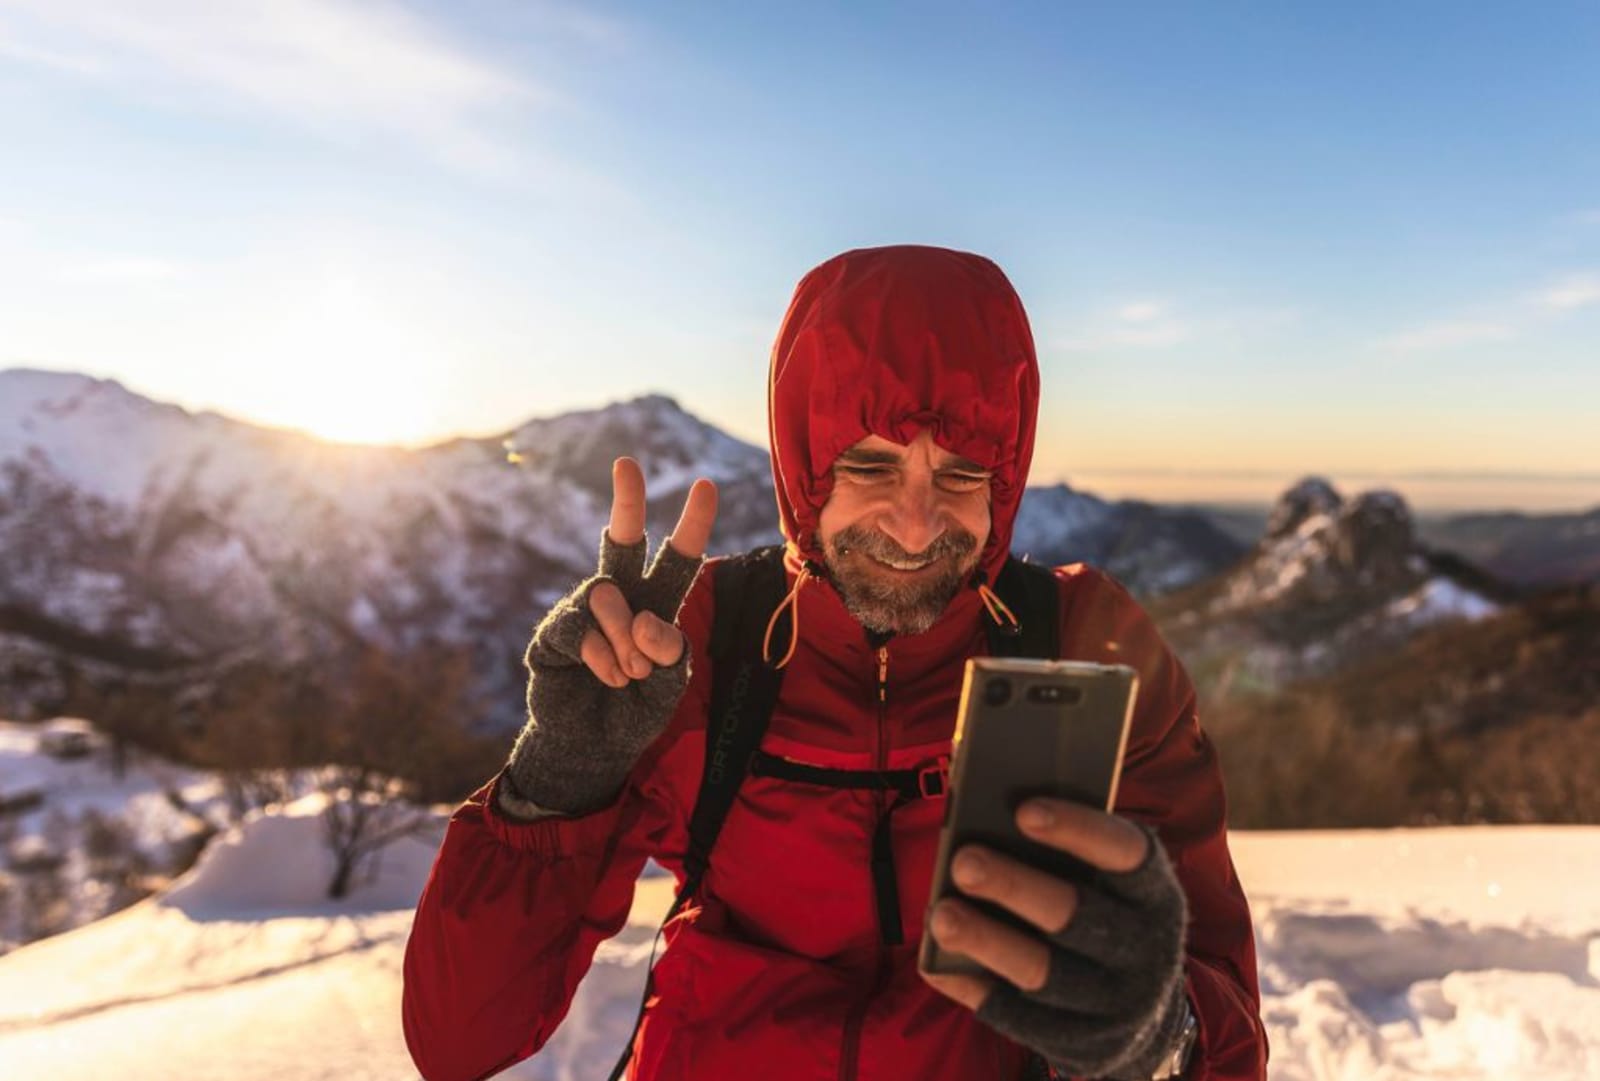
(693, 531)
(1099, 839)
(627, 502)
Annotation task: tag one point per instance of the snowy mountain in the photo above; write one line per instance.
(1151, 549)
(138, 540)
(137, 537)
(1460, 954)
(1331, 580)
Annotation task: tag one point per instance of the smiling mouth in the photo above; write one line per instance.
(902, 568)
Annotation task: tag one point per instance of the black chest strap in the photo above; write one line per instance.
(744, 690)
(906, 785)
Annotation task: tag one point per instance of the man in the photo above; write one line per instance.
(903, 396)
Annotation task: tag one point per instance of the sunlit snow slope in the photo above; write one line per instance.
(1403, 954)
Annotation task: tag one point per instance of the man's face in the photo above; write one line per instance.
(902, 530)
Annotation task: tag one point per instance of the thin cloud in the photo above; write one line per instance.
(1143, 311)
(1577, 291)
(1447, 336)
(1504, 320)
(1153, 335)
(329, 65)
(119, 268)
(49, 58)
(1155, 324)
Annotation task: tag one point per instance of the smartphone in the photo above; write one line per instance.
(1027, 728)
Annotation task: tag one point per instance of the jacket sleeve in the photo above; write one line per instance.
(513, 911)
(1171, 779)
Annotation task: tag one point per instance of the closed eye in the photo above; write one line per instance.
(962, 482)
(866, 472)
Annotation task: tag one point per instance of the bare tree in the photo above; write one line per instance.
(364, 816)
(382, 734)
(399, 731)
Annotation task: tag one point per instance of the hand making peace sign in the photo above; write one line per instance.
(634, 612)
(608, 665)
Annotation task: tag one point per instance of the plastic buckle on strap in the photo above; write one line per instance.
(934, 781)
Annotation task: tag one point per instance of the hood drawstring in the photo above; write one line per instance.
(998, 611)
(807, 571)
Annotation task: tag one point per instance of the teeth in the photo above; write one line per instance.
(904, 566)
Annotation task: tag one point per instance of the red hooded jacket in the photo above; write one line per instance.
(780, 972)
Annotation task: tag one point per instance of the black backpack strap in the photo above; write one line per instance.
(1034, 597)
(746, 589)
(744, 690)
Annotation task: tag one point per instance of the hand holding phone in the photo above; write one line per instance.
(1027, 728)
(1067, 932)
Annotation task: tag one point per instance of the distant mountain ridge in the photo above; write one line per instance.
(138, 537)
(1529, 549)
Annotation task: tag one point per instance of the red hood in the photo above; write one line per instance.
(885, 341)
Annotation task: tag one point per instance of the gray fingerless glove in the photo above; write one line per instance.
(1113, 1002)
(583, 737)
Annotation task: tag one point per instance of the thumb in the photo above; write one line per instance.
(657, 639)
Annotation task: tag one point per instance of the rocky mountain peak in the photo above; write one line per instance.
(1310, 497)
(1332, 579)
(1320, 548)
(670, 443)
(1375, 538)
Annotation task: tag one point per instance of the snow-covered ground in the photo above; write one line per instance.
(78, 842)
(1401, 954)
(1449, 953)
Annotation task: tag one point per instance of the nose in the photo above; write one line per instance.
(915, 519)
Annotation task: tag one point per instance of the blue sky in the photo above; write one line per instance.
(1255, 240)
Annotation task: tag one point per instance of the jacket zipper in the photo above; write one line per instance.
(850, 1047)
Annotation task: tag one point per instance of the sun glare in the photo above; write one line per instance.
(349, 368)
(353, 399)
(349, 406)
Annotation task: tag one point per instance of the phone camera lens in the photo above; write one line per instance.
(1053, 694)
(997, 692)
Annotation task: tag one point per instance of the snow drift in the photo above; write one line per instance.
(1401, 954)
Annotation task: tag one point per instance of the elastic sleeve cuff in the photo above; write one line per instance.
(510, 803)
(554, 836)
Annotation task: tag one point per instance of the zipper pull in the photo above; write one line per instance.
(883, 673)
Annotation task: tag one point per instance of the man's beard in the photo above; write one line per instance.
(881, 601)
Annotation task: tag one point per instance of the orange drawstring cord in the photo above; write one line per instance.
(791, 602)
(997, 608)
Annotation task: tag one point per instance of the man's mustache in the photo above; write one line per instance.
(953, 542)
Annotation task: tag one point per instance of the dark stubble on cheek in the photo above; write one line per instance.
(882, 602)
